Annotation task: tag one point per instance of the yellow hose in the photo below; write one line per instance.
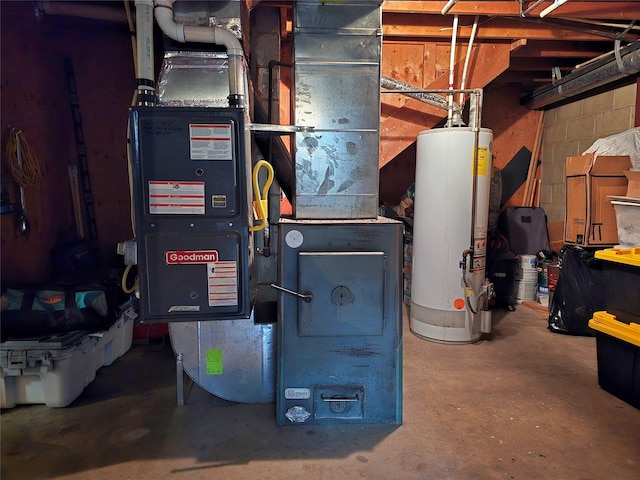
(260, 203)
(123, 281)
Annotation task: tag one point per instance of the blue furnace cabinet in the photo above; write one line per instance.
(340, 322)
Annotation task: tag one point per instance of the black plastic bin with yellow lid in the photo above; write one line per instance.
(621, 275)
(618, 353)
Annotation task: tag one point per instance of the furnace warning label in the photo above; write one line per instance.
(210, 142)
(223, 284)
(180, 198)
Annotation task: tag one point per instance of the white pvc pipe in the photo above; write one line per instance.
(144, 46)
(448, 6)
(215, 35)
(466, 60)
(452, 60)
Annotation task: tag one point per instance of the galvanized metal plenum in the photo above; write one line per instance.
(337, 54)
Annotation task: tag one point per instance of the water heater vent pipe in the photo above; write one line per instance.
(214, 35)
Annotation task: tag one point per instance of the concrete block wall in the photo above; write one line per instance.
(571, 129)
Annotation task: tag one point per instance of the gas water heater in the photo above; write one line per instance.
(450, 233)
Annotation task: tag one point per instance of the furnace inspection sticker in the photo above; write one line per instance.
(182, 198)
(210, 142)
(214, 362)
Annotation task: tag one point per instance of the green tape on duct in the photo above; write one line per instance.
(214, 362)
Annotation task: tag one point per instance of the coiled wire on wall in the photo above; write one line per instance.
(23, 162)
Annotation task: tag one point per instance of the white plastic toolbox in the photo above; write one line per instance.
(54, 370)
(116, 341)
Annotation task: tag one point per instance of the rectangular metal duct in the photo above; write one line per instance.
(337, 52)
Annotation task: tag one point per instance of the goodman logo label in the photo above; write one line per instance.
(181, 257)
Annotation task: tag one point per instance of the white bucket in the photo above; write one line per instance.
(526, 290)
(542, 295)
(528, 262)
(527, 269)
(529, 275)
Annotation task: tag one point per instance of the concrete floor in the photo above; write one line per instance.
(522, 404)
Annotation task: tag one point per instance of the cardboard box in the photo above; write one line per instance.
(590, 219)
(633, 187)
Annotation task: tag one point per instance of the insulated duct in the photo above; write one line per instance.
(212, 35)
(619, 64)
(432, 99)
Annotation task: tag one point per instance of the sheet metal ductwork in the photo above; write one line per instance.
(339, 267)
(621, 63)
(337, 52)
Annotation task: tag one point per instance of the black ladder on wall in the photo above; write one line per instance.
(83, 167)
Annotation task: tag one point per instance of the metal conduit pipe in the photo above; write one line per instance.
(616, 65)
(430, 98)
(213, 35)
(275, 150)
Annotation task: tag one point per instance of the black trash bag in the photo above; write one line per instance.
(579, 292)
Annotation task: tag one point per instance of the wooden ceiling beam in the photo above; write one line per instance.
(560, 49)
(432, 26)
(533, 64)
(399, 130)
(602, 10)
(529, 78)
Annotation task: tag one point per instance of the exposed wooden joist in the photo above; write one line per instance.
(398, 131)
(556, 49)
(529, 78)
(434, 26)
(533, 63)
(604, 10)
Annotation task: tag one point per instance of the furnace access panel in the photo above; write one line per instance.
(190, 193)
(339, 322)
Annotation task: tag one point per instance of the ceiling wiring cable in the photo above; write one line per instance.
(23, 162)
